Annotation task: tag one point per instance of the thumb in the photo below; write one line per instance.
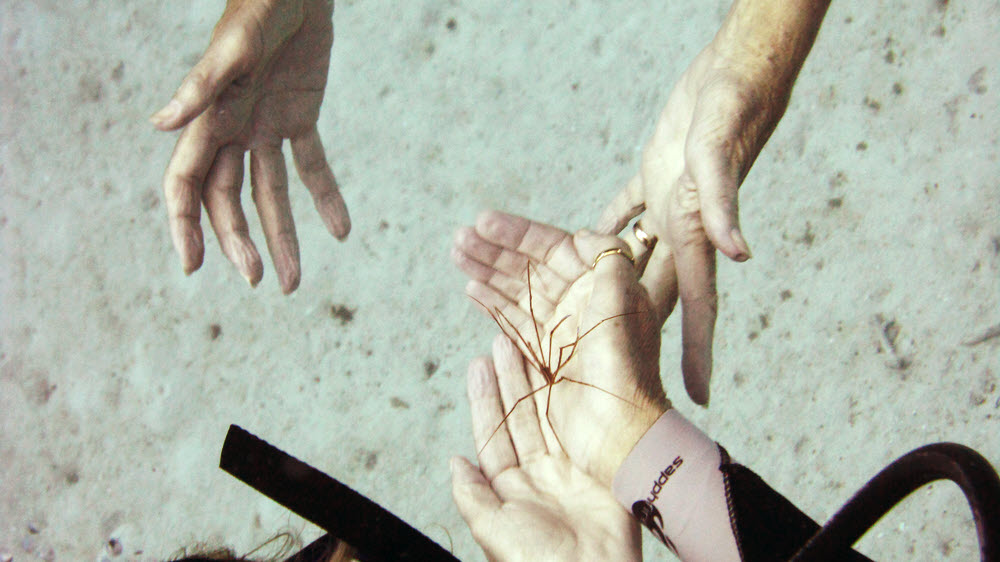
(626, 205)
(718, 188)
(247, 35)
(660, 281)
(614, 272)
(716, 156)
(472, 493)
(227, 57)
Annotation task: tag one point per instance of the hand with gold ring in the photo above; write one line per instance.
(577, 282)
(623, 252)
(716, 121)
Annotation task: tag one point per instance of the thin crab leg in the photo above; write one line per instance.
(531, 309)
(548, 400)
(576, 342)
(534, 360)
(539, 361)
(511, 411)
(595, 387)
(552, 338)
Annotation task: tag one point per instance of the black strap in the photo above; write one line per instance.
(377, 534)
(958, 463)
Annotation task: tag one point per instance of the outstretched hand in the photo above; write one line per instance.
(527, 501)
(589, 334)
(260, 81)
(715, 123)
(718, 118)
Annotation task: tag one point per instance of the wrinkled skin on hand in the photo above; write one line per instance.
(260, 81)
(715, 123)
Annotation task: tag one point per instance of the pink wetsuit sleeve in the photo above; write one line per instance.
(672, 483)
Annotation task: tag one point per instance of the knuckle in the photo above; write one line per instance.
(180, 190)
(688, 243)
(706, 302)
(685, 204)
(197, 83)
(312, 163)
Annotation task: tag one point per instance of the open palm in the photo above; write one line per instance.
(527, 501)
(590, 331)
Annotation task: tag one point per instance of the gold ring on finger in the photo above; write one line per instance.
(644, 237)
(623, 252)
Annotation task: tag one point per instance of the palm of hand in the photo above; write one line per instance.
(605, 390)
(586, 344)
(549, 497)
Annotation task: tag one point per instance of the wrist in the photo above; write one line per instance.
(622, 442)
(672, 483)
(768, 40)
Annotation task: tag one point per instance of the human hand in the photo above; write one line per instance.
(590, 331)
(527, 501)
(717, 119)
(260, 81)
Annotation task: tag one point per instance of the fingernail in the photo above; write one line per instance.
(456, 256)
(167, 114)
(193, 250)
(462, 471)
(336, 219)
(288, 269)
(479, 384)
(741, 245)
(458, 472)
(247, 261)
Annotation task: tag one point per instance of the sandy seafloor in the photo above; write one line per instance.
(875, 202)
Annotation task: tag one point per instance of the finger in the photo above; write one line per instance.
(270, 193)
(500, 259)
(507, 272)
(508, 315)
(627, 204)
(539, 242)
(713, 167)
(719, 208)
(473, 496)
(315, 172)
(466, 262)
(640, 250)
(504, 270)
(491, 258)
(230, 54)
(516, 393)
(489, 433)
(660, 280)
(183, 182)
(612, 274)
(225, 212)
(655, 266)
(513, 321)
(509, 287)
(695, 259)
